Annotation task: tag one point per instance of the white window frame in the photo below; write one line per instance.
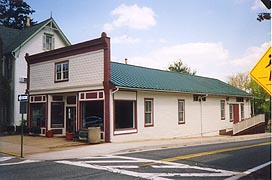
(48, 42)
(61, 74)
(242, 111)
(223, 109)
(231, 115)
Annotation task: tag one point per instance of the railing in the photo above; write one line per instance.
(247, 123)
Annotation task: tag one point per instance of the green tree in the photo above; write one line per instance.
(1, 85)
(180, 67)
(261, 102)
(13, 13)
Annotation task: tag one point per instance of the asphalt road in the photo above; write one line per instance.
(236, 160)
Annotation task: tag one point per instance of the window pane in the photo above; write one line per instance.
(65, 75)
(148, 118)
(92, 114)
(58, 68)
(181, 111)
(62, 71)
(181, 119)
(57, 114)
(124, 114)
(37, 114)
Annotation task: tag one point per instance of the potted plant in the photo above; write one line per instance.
(69, 134)
(49, 133)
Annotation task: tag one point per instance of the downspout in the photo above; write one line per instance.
(12, 86)
(201, 114)
(116, 90)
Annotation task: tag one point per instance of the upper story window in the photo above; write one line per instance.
(48, 42)
(62, 71)
(148, 112)
(222, 108)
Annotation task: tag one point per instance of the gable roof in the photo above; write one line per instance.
(13, 39)
(136, 77)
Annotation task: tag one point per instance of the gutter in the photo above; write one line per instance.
(116, 90)
(203, 94)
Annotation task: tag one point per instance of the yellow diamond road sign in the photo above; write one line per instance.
(261, 72)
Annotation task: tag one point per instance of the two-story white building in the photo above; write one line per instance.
(44, 36)
(71, 86)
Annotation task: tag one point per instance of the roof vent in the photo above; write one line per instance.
(126, 60)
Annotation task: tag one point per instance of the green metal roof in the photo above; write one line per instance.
(135, 77)
(14, 38)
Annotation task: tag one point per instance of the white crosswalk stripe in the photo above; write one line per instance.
(5, 161)
(130, 166)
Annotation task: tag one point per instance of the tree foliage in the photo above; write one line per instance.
(239, 80)
(13, 13)
(262, 100)
(180, 67)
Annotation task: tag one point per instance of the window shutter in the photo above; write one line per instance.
(44, 42)
(53, 42)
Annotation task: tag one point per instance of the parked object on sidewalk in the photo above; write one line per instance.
(94, 135)
(49, 133)
(69, 136)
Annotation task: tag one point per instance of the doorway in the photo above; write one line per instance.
(235, 113)
(70, 119)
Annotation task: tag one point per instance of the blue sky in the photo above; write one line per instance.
(217, 38)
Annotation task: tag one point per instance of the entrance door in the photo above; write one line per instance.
(235, 113)
(70, 119)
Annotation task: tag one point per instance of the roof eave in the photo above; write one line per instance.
(67, 42)
(184, 92)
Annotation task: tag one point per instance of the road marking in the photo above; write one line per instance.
(5, 158)
(21, 162)
(189, 156)
(249, 171)
(123, 169)
(10, 153)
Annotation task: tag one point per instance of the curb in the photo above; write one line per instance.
(10, 153)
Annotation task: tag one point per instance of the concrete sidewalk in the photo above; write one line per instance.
(42, 148)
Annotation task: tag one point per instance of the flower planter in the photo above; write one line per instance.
(49, 133)
(69, 136)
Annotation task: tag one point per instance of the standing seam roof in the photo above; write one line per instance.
(130, 76)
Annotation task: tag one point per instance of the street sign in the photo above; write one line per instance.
(22, 97)
(261, 72)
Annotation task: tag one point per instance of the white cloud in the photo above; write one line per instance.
(258, 5)
(208, 59)
(133, 17)
(251, 56)
(125, 39)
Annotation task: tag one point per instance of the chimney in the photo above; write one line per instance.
(27, 21)
(126, 60)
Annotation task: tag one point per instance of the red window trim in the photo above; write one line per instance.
(183, 122)
(152, 112)
(223, 118)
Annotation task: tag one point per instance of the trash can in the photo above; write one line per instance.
(94, 135)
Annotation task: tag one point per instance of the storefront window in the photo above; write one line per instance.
(125, 114)
(92, 114)
(37, 114)
(57, 114)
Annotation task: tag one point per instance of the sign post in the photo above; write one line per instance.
(261, 72)
(23, 107)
